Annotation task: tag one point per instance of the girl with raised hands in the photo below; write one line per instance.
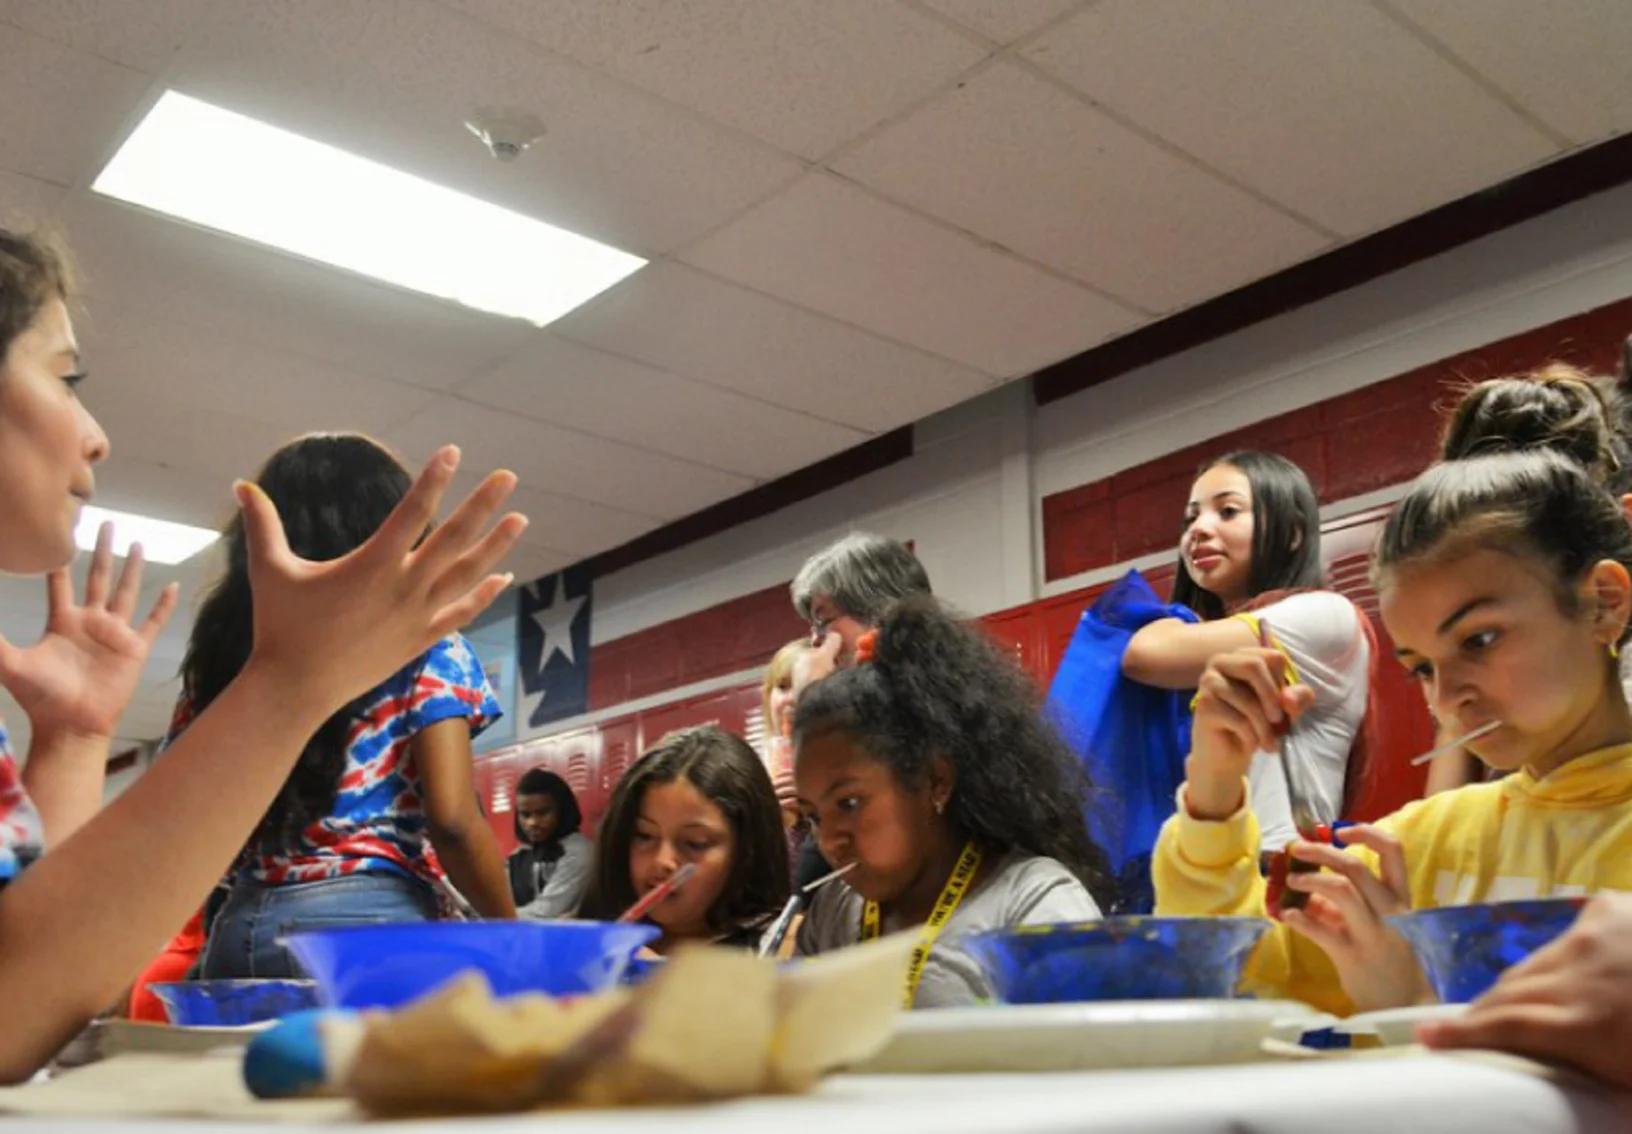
(86, 904)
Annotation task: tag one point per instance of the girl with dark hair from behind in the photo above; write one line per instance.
(931, 774)
(1557, 407)
(1250, 556)
(383, 782)
(702, 798)
(549, 871)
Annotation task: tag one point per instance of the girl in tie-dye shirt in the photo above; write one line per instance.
(380, 814)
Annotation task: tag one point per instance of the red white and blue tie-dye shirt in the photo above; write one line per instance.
(378, 822)
(22, 838)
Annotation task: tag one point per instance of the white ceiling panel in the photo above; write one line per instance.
(555, 521)
(1304, 102)
(681, 320)
(143, 34)
(181, 435)
(1565, 61)
(163, 491)
(830, 246)
(25, 201)
(575, 464)
(1003, 20)
(555, 380)
(616, 164)
(804, 75)
(150, 356)
(59, 107)
(142, 262)
(1042, 173)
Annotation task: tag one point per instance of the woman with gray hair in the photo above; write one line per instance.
(845, 588)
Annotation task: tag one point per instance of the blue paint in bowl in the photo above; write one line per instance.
(232, 1003)
(1119, 958)
(383, 966)
(1463, 949)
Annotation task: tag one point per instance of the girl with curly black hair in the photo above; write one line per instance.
(933, 778)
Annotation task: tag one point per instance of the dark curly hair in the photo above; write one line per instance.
(729, 774)
(937, 688)
(332, 491)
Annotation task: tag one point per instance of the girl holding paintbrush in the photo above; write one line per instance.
(701, 802)
(1505, 582)
(935, 784)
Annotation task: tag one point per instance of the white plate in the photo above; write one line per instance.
(1396, 1027)
(1079, 1037)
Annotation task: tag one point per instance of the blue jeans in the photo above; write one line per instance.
(244, 938)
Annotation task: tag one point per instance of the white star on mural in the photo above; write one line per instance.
(556, 622)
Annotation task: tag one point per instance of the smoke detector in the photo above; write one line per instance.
(505, 131)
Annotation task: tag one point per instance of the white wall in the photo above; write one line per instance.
(969, 497)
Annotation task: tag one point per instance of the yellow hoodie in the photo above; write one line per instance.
(1568, 833)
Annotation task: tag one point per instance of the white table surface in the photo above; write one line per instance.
(1363, 1096)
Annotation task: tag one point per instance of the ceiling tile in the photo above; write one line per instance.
(1003, 20)
(674, 318)
(568, 525)
(1042, 173)
(553, 459)
(529, 564)
(164, 491)
(59, 109)
(153, 357)
(1566, 61)
(802, 74)
(180, 435)
(26, 202)
(147, 263)
(616, 164)
(559, 381)
(143, 35)
(829, 246)
(1345, 118)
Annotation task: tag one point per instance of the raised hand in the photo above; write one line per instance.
(78, 678)
(1345, 917)
(331, 631)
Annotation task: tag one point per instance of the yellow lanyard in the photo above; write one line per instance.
(945, 906)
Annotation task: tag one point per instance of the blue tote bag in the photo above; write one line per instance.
(1131, 738)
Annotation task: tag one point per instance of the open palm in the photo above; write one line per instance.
(81, 674)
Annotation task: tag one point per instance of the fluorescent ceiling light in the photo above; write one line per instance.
(161, 540)
(224, 171)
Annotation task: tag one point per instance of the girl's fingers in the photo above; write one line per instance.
(478, 562)
(263, 529)
(1236, 709)
(1260, 671)
(96, 581)
(123, 604)
(460, 612)
(163, 608)
(1541, 1030)
(1390, 857)
(464, 526)
(415, 512)
(59, 590)
(1379, 900)
(1344, 897)
(1331, 938)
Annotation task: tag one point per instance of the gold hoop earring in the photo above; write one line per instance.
(1615, 651)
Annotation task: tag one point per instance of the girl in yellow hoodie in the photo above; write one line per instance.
(1504, 582)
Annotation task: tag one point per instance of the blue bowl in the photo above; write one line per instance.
(1463, 949)
(1120, 958)
(232, 1003)
(382, 966)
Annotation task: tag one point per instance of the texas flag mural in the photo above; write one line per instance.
(552, 636)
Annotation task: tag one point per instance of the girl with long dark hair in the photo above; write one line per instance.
(382, 801)
(1249, 558)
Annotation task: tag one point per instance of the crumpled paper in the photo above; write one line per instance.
(712, 1024)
